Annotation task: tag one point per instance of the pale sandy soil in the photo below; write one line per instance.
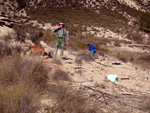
(132, 80)
(97, 73)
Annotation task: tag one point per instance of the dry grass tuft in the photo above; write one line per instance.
(6, 50)
(145, 106)
(82, 56)
(117, 44)
(15, 70)
(34, 34)
(18, 99)
(69, 100)
(56, 61)
(22, 82)
(145, 57)
(122, 57)
(137, 37)
(60, 75)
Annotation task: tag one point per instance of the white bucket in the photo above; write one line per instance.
(113, 77)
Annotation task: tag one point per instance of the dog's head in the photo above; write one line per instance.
(45, 54)
(49, 54)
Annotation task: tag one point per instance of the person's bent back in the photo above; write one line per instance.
(92, 49)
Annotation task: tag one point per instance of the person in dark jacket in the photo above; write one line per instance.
(61, 34)
(92, 49)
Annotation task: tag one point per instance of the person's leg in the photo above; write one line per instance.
(62, 47)
(57, 46)
(61, 53)
(50, 55)
(55, 53)
(93, 53)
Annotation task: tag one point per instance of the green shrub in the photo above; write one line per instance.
(145, 22)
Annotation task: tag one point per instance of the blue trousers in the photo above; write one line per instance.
(93, 53)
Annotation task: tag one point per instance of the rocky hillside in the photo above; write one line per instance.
(98, 15)
(111, 19)
(11, 7)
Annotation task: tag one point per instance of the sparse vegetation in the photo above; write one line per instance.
(32, 33)
(145, 57)
(60, 75)
(145, 22)
(137, 37)
(7, 37)
(75, 17)
(56, 61)
(69, 100)
(14, 70)
(21, 82)
(122, 57)
(117, 44)
(18, 99)
(146, 105)
(83, 56)
(6, 50)
(80, 44)
(21, 3)
(142, 60)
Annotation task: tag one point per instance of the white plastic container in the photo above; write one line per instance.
(112, 77)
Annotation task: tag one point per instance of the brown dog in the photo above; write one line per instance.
(36, 49)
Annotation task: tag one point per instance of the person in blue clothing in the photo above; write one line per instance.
(92, 49)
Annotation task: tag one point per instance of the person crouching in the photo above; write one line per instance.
(92, 49)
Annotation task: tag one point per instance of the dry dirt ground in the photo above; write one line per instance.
(130, 94)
